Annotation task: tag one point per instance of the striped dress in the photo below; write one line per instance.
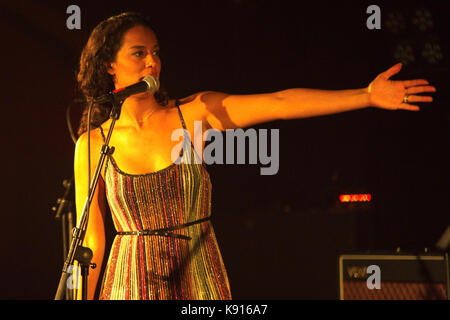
(184, 263)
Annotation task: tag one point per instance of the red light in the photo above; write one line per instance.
(365, 197)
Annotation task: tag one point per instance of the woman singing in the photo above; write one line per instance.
(165, 247)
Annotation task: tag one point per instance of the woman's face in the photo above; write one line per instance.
(138, 57)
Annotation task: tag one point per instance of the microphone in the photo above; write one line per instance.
(149, 83)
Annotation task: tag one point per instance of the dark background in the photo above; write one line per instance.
(280, 235)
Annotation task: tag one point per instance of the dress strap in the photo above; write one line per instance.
(177, 103)
(104, 139)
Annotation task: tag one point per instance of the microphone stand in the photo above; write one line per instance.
(76, 251)
(64, 212)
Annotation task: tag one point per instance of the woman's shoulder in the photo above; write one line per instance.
(94, 134)
(194, 100)
(95, 140)
(195, 105)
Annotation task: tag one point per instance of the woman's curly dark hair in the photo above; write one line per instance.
(101, 49)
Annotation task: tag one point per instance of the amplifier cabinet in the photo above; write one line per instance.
(392, 277)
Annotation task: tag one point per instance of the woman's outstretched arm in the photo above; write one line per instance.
(224, 111)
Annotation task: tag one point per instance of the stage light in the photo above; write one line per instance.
(395, 22)
(432, 52)
(413, 37)
(365, 197)
(422, 19)
(404, 53)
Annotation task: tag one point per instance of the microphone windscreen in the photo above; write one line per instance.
(153, 83)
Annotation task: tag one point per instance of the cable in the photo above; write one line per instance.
(68, 121)
(89, 159)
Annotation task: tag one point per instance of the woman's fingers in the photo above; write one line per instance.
(412, 98)
(420, 89)
(391, 71)
(410, 107)
(412, 83)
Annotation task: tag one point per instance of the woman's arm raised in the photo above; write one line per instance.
(95, 233)
(224, 111)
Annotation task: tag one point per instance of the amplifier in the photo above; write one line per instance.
(393, 277)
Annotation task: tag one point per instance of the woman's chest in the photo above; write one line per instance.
(153, 149)
(146, 152)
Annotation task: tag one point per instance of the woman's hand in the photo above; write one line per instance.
(389, 94)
